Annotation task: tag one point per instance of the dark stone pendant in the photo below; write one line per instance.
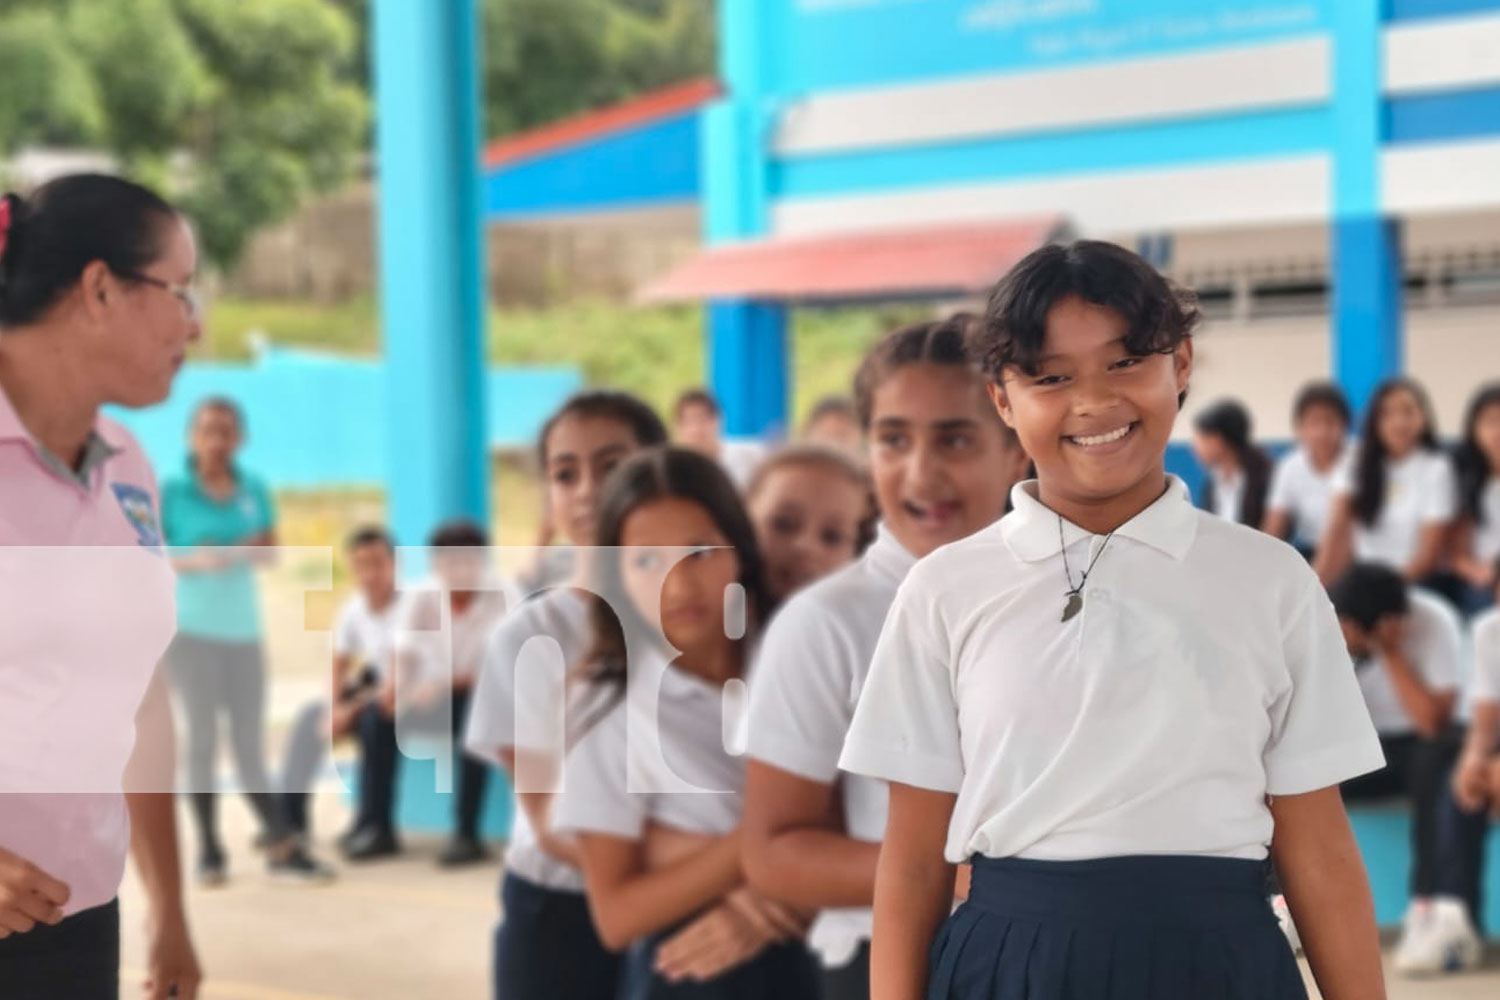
(1074, 605)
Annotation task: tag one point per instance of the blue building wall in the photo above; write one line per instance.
(654, 165)
(318, 421)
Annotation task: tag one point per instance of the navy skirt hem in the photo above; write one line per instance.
(1133, 928)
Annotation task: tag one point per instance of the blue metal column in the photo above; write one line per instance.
(1367, 340)
(748, 349)
(431, 261)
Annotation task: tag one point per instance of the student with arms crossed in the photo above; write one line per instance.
(943, 463)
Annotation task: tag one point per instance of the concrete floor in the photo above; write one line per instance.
(401, 929)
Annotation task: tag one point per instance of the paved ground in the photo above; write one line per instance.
(402, 930)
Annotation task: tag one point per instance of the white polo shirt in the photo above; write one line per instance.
(1205, 671)
(1486, 544)
(1485, 677)
(1420, 490)
(517, 700)
(365, 635)
(1433, 645)
(1229, 494)
(437, 641)
(87, 608)
(740, 459)
(808, 675)
(657, 755)
(1304, 493)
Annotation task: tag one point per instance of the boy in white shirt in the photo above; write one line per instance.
(442, 626)
(1301, 496)
(362, 634)
(1407, 648)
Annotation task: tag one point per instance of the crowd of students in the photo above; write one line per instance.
(956, 697)
(1406, 534)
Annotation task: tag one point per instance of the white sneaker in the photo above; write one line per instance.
(1284, 918)
(1445, 941)
(1413, 947)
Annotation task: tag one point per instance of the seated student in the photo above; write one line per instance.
(1451, 940)
(697, 424)
(362, 636)
(442, 628)
(1302, 484)
(1396, 498)
(1406, 645)
(1238, 472)
(1476, 543)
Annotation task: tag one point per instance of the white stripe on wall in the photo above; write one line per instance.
(1247, 78)
(1446, 54)
(1438, 177)
(1268, 191)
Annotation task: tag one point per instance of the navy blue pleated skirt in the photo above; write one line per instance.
(1133, 928)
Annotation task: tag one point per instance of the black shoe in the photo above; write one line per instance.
(462, 850)
(213, 868)
(367, 845)
(299, 866)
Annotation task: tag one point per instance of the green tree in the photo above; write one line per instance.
(547, 59)
(47, 92)
(238, 109)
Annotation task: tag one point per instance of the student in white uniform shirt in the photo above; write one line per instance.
(1475, 796)
(1476, 544)
(1396, 499)
(1408, 649)
(442, 626)
(1110, 700)
(545, 944)
(1302, 486)
(812, 513)
(363, 637)
(1239, 473)
(943, 464)
(648, 741)
(698, 424)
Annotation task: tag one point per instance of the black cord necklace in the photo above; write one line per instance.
(1075, 594)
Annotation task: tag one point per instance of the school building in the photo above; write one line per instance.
(1325, 172)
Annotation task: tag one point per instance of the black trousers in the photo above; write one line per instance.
(850, 981)
(79, 959)
(1416, 769)
(380, 760)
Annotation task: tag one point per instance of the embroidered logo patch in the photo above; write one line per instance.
(136, 504)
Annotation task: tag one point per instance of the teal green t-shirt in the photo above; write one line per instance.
(222, 605)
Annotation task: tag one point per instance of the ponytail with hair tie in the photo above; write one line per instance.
(5, 221)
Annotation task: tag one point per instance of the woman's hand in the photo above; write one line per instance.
(28, 896)
(171, 966)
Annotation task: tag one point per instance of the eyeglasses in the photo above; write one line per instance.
(183, 293)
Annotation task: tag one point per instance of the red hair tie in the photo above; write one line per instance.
(4, 222)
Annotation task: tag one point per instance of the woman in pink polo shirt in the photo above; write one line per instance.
(95, 309)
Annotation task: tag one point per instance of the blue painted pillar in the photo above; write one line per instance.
(1367, 338)
(749, 366)
(748, 352)
(431, 262)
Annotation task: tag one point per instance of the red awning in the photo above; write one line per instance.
(932, 260)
